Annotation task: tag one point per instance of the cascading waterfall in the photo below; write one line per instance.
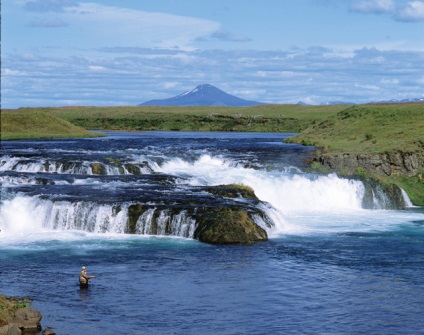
(22, 164)
(32, 214)
(292, 200)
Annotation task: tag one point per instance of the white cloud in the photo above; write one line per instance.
(92, 25)
(96, 68)
(133, 76)
(373, 6)
(388, 81)
(367, 86)
(413, 11)
(10, 72)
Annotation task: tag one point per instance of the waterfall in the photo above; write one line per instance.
(110, 167)
(31, 214)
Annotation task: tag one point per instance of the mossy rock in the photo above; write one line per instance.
(233, 191)
(226, 225)
(134, 212)
(8, 307)
(133, 169)
(98, 168)
(389, 195)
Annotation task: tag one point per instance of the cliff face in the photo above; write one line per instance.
(387, 164)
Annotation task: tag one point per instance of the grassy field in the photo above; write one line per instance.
(27, 124)
(367, 129)
(264, 118)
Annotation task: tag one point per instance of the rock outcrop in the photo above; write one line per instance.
(383, 174)
(16, 316)
(385, 164)
(228, 226)
(226, 218)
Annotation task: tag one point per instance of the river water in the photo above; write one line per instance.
(329, 267)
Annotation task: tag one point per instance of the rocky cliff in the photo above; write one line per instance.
(385, 164)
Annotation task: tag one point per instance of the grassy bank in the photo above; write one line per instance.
(28, 124)
(264, 118)
(367, 129)
(372, 130)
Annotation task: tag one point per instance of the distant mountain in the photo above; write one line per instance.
(391, 101)
(394, 101)
(202, 95)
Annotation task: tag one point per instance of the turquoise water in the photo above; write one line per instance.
(330, 267)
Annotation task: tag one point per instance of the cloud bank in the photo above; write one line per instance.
(411, 11)
(86, 53)
(130, 76)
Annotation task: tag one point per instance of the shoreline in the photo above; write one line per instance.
(18, 317)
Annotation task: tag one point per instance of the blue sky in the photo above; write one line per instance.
(105, 52)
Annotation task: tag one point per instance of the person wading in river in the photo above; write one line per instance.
(84, 278)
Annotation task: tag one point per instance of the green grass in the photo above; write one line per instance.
(368, 129)
(373, 129)
(264, 118)
(29, 124)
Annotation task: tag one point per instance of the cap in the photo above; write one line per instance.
(83, 268)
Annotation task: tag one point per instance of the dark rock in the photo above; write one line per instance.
(134, 212)
(98, 168)
(226, 225)
(10, 330)
(384, 164)
(48, 331)
(381, 196)
(27, 318)
(133, 169)
(228, 219)
(232, 191)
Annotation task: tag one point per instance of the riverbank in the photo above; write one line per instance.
(32, 124)
(263, 118)
(383, 142)
(18, 317)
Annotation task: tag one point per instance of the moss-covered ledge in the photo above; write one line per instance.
(226, 225)
(17, 316)
(227, 217)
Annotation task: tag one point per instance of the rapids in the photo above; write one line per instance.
(331, 265)
(56, 184)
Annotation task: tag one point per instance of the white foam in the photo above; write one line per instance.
(300, 203)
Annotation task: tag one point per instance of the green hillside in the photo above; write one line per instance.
(26, 124)
(375, 133)
(367, 129)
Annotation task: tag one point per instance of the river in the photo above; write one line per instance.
(330, 266)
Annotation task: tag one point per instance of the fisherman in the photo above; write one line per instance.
(84, 278)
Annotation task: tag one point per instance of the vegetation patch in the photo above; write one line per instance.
(233, 191)
(8, 306)
(28, 124)
(262, 118)
(367, 129)
(413, 186)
